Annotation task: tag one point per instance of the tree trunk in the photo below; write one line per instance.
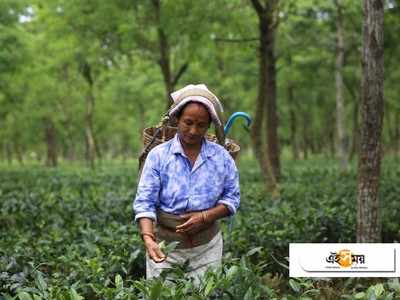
(397, 132)
(8, 153)
(305, 135)
(51, 143)
(330, 133)
(170, 81)
(368, 217)
(311, 137)
(69, 152)
(270, 103)
(259, 150)
(90, 142)
(340, 113)
(165, 66)
(293, 122)
(265, 82)
(90, 102)
(99, 153)
(18, 152)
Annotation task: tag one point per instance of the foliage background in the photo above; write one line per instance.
(46, 44)
(67, 233)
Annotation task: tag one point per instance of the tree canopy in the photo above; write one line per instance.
(126, 56)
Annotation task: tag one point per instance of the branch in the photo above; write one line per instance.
(271, 5)
(257, 6)
(276, 20)
(87, 72)
(178, 75)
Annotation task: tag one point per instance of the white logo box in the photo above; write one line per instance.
(344, 260)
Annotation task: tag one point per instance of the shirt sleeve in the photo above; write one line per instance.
(148, 189)
(231, 192)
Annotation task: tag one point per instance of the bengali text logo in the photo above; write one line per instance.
(345, 258)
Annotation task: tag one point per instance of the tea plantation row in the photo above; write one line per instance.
(68, 234)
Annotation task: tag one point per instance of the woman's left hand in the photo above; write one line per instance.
(194, 223)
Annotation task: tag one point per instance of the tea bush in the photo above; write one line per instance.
(69, 234)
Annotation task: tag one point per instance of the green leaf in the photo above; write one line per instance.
(8, 297)
(170, 247)
(311, 291)
(253, 251)
(249, 294)
(161, 245)
(232, 272)
(359, 295)
(294, 285)
(40, 282)
(196, 297)
(280, 263)
(74, 295)
(134, 255)
(24, 296)
(394, 284)
(209, 287)
(141, 287)
(155, 291)
(379, 289)
(119, 283)
(389, 296)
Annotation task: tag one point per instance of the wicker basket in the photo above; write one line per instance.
(230, 145)
(166, 133)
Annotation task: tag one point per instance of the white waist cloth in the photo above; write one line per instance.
(200, 259)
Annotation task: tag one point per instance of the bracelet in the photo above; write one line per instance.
(204, 216)
(148, 234)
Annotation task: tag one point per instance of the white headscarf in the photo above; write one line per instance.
(211, 107)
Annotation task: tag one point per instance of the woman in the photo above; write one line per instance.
(187, 184)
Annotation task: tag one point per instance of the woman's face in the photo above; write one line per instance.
(193, 124)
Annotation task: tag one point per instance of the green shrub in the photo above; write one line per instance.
(69, 233)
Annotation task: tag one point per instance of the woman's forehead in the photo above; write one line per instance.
(196, 110)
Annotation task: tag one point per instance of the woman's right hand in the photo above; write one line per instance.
(153, 250)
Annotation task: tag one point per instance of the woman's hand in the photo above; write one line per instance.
(153, 249)
(194, 223)
(146, 231)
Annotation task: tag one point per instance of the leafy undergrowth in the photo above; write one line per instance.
(68, 234)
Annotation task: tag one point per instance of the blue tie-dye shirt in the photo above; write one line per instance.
(169, 182)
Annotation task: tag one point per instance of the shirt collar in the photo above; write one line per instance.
(206, 150)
